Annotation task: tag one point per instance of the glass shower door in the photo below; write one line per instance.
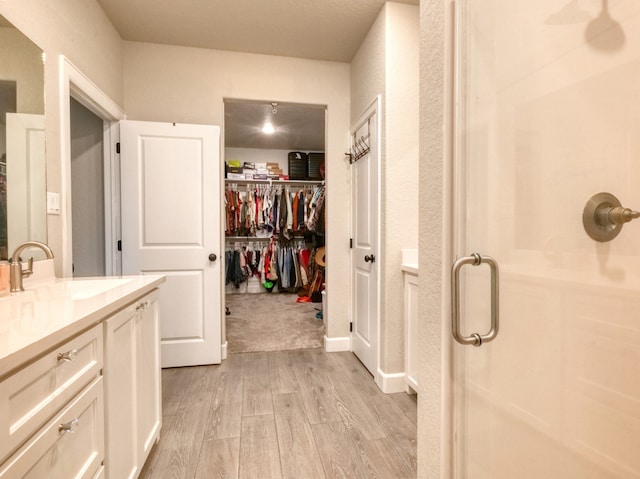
(547, 114)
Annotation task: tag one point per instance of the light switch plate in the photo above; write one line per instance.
(53, 203)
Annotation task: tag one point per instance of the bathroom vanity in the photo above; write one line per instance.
(411, 348)
(80, 391)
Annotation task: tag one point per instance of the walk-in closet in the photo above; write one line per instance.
(274, 225)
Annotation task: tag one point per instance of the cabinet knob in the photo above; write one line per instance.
(212, 257)
(143, 306)
(68, 426)
(68, 356)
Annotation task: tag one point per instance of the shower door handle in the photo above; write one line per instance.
(475, 339)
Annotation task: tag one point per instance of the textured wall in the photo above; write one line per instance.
(188, 85)
(434, 228)
(387, 64)
(368, 69)
(400, 179)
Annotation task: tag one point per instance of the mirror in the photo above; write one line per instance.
(22, 151)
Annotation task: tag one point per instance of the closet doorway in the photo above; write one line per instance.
(274, 225)
(87, 192)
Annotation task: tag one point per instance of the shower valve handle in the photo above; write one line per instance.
(603, 216)
(616, 215)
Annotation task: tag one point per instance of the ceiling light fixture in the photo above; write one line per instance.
(268, 128)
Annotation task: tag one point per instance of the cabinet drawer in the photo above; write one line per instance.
(70, 446)
(29, 397)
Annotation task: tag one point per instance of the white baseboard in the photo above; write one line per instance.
(224, 350)
(334, 345)
(391, 383)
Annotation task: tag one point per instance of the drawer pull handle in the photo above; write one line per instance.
(68, 426)
(68, 356)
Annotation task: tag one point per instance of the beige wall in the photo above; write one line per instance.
(80, 31)
(188, 85)
(387, 64)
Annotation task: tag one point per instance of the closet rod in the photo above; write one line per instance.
(248, 238)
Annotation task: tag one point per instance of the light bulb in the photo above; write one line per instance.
(268, 128)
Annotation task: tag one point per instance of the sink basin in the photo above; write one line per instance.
(88, 288)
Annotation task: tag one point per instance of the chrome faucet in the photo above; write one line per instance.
(16, 273)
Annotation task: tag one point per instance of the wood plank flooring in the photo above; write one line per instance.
(300, 414)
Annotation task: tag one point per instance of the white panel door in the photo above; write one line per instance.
(364, 283)
(546, 116)
(171, 226)
(26, 182)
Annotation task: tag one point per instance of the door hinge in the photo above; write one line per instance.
(118, 147)
(119, 245)
(351, 327)
(351, 243)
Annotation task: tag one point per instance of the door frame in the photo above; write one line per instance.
(374, 108)
(74, 84)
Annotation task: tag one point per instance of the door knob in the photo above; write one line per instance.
(369, 257)
(212, 257)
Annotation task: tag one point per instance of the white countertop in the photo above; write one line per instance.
(53, 310)
(409, 261)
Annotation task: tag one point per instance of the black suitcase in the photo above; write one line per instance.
(315, 160)
(298, 165)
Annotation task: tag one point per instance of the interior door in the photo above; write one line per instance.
(171, 226)
(546, 115)
(364, 214)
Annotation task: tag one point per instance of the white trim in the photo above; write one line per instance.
(224, 350)
(73, 83)
(391, 383)
(112, 227)
(334, 345)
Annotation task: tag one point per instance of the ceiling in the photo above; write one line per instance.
(330, 30)
(296, 127)
(314, 29)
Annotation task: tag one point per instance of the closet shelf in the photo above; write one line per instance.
(256, 238)
(273, 182)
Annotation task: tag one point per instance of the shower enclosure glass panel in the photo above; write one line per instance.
(546, 114)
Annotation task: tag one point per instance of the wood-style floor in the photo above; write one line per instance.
(302, 414)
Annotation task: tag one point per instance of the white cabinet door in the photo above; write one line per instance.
(171, 226)
(121, 461)
(148, 383)
(411, 330)
(133, 388)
